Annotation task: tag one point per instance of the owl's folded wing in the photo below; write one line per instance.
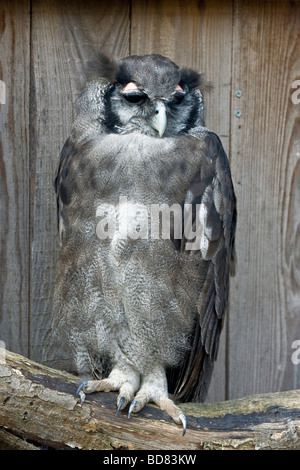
(214, 210)
(63, 184)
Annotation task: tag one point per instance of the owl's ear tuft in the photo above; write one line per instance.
(123, 75)
(191, 79)
(103, 66)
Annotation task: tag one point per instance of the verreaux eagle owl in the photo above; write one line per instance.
(147, 217)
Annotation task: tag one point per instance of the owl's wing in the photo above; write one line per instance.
(63, 184)
(214, 206)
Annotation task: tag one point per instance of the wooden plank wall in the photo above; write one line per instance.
(265, 159)
(14, 176)
(247, 46)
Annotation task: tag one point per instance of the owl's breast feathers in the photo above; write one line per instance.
(189, 176)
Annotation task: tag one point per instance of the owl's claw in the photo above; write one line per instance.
(182, 418)
(121, 403)
(133, 404)
(80, 393)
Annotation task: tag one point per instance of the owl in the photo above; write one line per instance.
(146, 217)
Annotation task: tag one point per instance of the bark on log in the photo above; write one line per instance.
(38, 410)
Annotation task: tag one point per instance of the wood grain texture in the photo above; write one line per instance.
(64, 36)
(14, 175)
(264, 314)
(197, 35)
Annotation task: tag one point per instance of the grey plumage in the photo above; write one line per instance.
(144, 312)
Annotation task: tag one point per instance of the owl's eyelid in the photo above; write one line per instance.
(134, 97)
(179, 93)
(133, 93)
(179, 89)
(129, 87)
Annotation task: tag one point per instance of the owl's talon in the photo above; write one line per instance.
(134, 403)
(120, 405)
(182, 418)
(80, 395)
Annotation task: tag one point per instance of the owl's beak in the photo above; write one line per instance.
(159, 120)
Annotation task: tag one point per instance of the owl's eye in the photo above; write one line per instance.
(135, 97)
(178, 97)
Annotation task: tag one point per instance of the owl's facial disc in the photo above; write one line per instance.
(134, 96)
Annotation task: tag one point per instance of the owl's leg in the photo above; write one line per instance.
(121, 378)
(82, 362)
(154, 388)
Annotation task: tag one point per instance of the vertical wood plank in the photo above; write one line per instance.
(64, 36)
(197, 35)
(265, 162)
(291, 248)
(14, 175)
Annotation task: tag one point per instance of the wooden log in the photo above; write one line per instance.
(38, 410)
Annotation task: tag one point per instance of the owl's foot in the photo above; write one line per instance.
(164, 403)
(154, 389)
(126, 381)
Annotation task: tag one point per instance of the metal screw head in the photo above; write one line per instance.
(238, 113)
(238, 93)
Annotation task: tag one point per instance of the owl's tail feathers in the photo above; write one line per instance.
(189, 382)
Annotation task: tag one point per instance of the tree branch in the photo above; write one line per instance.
(38, 410)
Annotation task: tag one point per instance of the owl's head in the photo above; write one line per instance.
(149, 94)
